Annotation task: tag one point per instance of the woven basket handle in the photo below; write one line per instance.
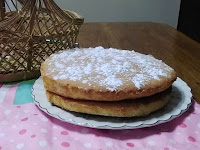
(69, 16)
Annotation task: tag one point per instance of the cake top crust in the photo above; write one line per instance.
(106, 69)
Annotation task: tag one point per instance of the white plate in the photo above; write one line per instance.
(180, 101)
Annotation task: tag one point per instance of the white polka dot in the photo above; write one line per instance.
(84, 130)
(55, 138)
(43, 143)
(76, 139)
(172, 141)
(151, 143)
(2, 135)
(4, 123)
(198, 125)
(88, 145)
(17, 116)
(43, 130)
(54, 127)
(26, 111)
(34, 124)
(7, 112)
(20, 146)
(14, 126)
(109, 144)
(44, 119)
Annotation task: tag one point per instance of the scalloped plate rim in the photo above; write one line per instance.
(142, 124)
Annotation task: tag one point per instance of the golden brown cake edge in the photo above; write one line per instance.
(127, 108)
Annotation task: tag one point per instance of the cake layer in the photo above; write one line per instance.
(100, 74)
(125, 108)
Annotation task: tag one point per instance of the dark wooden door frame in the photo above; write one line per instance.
(189, 18)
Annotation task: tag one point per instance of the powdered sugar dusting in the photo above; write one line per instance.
(139, 79)
(110, 68)
(112, 81)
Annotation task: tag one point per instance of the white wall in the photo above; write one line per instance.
(11, 6)
(161, 11)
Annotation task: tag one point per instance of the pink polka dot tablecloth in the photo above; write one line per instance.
(23, 126)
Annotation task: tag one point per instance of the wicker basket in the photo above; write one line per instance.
(32, 34)
(9, 7)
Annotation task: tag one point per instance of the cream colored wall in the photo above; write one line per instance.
(162, 11)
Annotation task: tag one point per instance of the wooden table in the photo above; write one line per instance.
(159, 40)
